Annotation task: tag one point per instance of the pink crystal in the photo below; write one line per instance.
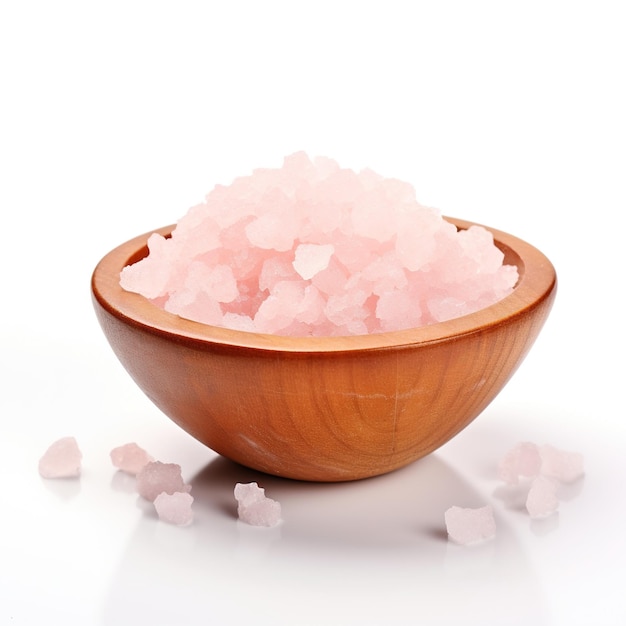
(467, 525)
(174, 508)
(522, 460)
(311, 259)
(541, 500)
(561, 465)
(314, 249)
(253, 507)
(156, 477)
(130, 458)
(61, 460)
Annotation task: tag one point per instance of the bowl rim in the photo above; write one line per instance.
(537, 280)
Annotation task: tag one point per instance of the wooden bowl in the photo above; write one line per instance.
(324, 408)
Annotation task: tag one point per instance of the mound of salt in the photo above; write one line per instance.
(156, 478)
(61, 460)
(174, 508)
(314, 249)
(467, 526)
(130, 458)
(254, 507)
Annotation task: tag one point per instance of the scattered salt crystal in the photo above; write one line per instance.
(562, 465)
(174, 508)
(547, 466)
(377, 259)
(522, 460)
(467, 526)
(253, 507)
(61, 460)
(156, 477)
(528, 459)
(130, 458)
(542, 500)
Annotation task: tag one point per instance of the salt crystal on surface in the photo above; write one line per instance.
(130, 458)
(61, 460)
(547, 466)
(522, 460)
(378, 260)
(562, 465)
(467, 526)
(542, 500)
(529, 460)
(174, 508)
(156, 477)
(253, 507)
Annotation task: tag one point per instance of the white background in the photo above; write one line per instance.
(118, 116)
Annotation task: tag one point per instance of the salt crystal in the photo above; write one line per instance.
(156, 477)
(522, 460)
(271, 232)
(397, 310)
(151, 275)
(312, 258)
(61, 460)
(547, 466)
(542, 500)
(561, 465)
(217, 281)
(130, 458)
(528, 459)
(468, 526)
(274, 270)
(239, 322)
(253, 507)
(174, 508)
(378, 260)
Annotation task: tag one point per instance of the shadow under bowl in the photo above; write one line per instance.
(324, 408)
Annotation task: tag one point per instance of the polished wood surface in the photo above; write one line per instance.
(326, 408)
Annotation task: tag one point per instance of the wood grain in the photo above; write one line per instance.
(325, 408)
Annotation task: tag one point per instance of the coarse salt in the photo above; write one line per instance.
(562, 465)
(542, 500)
(130, 458)
(254, 507)
(521, 460)
(157, 477)
(314, 249)
(61, 460)
(467, 526)
(546, 467)
(174, 508)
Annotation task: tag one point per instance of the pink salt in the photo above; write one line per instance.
(174, 508)
(61, 460)
(561, 465)
(311, 258)
(527, 459)
(467, 526)
(542, 500)
(130, 458)
(314, 249)
(522, 460)
(156, 477)
(254, 507)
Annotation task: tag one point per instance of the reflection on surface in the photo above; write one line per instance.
(63, 488)
(366, 552)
